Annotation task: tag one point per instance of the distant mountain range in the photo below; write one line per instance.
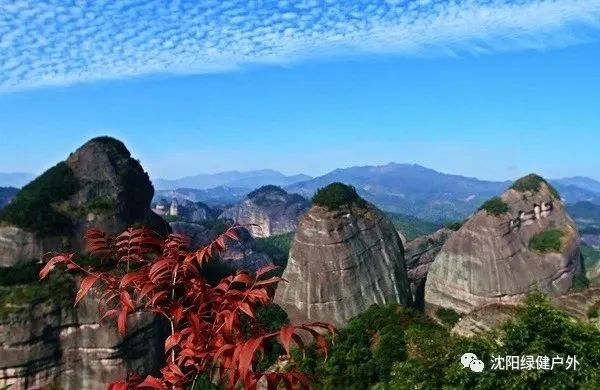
(234, 179)
(7, 194)
(401, 188)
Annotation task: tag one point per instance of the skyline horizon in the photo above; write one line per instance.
(313, 176)
(491, 90)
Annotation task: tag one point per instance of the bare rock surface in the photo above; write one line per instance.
(489, 259)
(419, 255)
(341, 262)
(47, 345)
(268, 211)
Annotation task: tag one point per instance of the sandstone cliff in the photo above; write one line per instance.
(268, 211)
(419, 255)
(42, 341)
(98, 186)
(342, 260)
(48, 344)
(521, 241)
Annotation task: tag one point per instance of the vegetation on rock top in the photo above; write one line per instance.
(113, 144)
(547, 241)
(495, 206)
(337, 195)
(532, 183)
(19, 288)
(266, 190)
(33, 208)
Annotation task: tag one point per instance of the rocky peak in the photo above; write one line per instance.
(517, 242)
(343, 260)
(98, 186)
(268, 211)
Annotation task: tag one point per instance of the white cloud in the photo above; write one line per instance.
(52, 42)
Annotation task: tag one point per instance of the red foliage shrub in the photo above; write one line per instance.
(213, 328)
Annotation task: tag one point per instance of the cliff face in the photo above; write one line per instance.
(48, 345)
(341, 262)
(98, 186)
(519, 242)
(268, 211)
(419, 255)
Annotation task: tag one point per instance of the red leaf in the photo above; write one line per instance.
(129, 278)
(172, 341)
(120, 385)
(247, 354)
(245, 307)
(122, 321)
(285, 335)
(126, 300)
(50, 264)
(152, 382)
(243, 277)
(261, 271)
(86, 284)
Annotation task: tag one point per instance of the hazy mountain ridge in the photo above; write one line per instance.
(400, 188)
(7, 194)
(248, 179)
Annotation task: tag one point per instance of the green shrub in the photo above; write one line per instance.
(580, 282)
(337, 195)
(537, 330)
(447, 316)
(276, 247)
(172, 218)
(591, 256)
(100, 204)
(594, 312)
(454, 225)
(363, 351)
(266, 189)
(547, 241)
(20, 287)
(495, 206)
(34, 209)
(532, 183)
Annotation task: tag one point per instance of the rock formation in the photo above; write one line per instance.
(45, 344)
(268, 211)
(343, 259)
(48, 344)
(98, 186)
(521, 241)
(419, 255)
(576, 304)
(185, 210)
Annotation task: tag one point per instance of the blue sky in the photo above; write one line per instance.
(493, 89)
